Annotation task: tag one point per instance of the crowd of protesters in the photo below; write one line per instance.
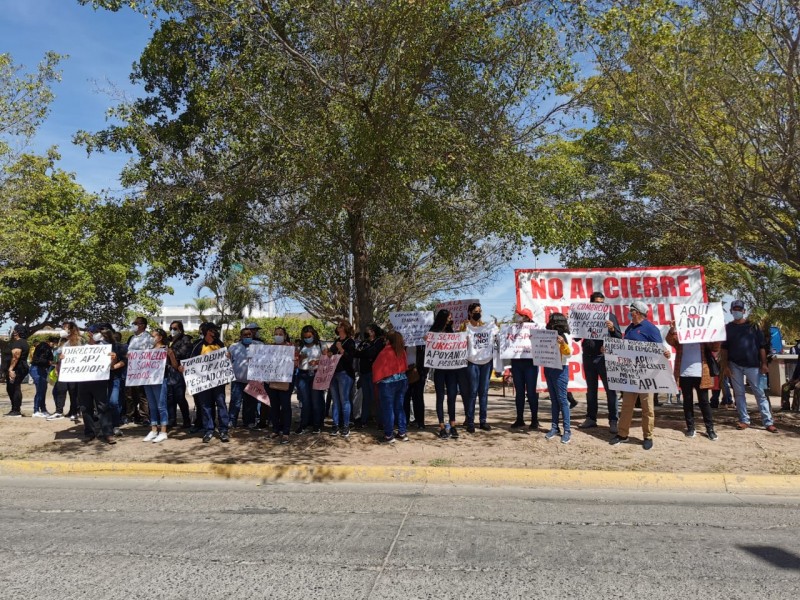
(387, 379)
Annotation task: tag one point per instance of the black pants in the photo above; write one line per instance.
(176, 399)
(136, 408)
(280, 402)
(415, 396)
(93, 397)
(594, 367)
(14, 391)
(689, 384)
(60, 391)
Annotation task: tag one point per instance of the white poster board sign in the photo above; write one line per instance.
(413, 326)
(446, 350)
(544, 348)
(207, 371)
(699, 322)
(270, 362)
(458, 310)
(146, 367)
(85, 363)
(587, 320)
(635, 366)
(515, 340)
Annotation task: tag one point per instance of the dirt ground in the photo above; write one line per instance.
(751, 451)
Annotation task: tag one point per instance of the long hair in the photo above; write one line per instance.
(379, 332)
(396, 342)
(348, 328)
(558, 322)
(286, 337)
(310, 329)
(440, 323)
(163, 335)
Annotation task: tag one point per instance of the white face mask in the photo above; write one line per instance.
(64, 335)
(97, 337)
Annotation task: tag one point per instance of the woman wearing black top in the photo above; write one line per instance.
(366, 353)
(445, 380)
(342, 383)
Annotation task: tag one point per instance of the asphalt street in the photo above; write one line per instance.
(65, 538)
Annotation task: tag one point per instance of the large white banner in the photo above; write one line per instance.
(544, 349)
(207, 371)
(146, 367)
(413, 326)
(696, 323)
(446, 350)
(270, 362)
(514, 340)
(543, 292)
(85, 363)
(588, 320)
(635, 366)
(458, 310)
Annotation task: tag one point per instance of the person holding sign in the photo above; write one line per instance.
(445, 381)
(312, 403)
(280, 394)
(479, 366)
(180, 348)
(594, 367)
(239, 398)
(157, 397)
(93, 397)
(558, 379)
(366, 353)
(643, 330)
(214, 397)
(525, 376)
(342, 384)
(693, 374)
(389, 371)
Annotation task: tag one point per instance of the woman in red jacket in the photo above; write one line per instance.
(389, 371)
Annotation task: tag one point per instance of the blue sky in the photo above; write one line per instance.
(102, 46)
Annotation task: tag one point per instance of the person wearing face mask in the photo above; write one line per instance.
(342, 382)
(41, 361)
(280, 394)
(93, 397)
(312, 402)
(445, 381)
(180, 348)
(366, 353)
(119, 365)
(744, 354)
(214, 398)
(17, 368)
(157, 396)
(135, 399)
(240, 399)
(558, 379)
(525, 376)
(479, 366)
(640, 329)
(70, 336)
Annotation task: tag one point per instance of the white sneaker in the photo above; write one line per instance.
(55, 416)
(38, 415)
(159, 438)
(150, 436)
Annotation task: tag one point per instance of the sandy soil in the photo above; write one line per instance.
(752, 451)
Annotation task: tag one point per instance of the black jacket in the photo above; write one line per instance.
(592, 348)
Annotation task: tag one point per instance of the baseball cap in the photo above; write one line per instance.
(737, 305)
(639, 306)
(93, 328)
(251, 326)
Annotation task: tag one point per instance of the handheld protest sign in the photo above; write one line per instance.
(146, 367)
(544, 348)
(699, 322)
(634, 366)
(91, 362)
(207, 371)
(446, 350)
(325, 372)
(588, 320)
(413, 326)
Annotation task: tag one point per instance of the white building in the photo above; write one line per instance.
(191, 320)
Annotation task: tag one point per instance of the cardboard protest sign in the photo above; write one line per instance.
(588, 320)
(257, 390)
(515, 340)
(270, 362)
(146, 367)
(481, 343)
(325, 371)
(634, 366)
(207, 371)
(412, 325)
(446, 350)
(544, 348)
(458, 310)
(699, 322)
(85, 363)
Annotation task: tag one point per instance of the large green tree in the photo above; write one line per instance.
(345, 140)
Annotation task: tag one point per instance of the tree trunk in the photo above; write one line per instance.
(363, 309)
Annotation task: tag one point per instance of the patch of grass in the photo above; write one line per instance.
(440, 462)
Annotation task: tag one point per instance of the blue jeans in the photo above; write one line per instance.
(557, 380)
(725, 390)
(341, 389)
(208, 399)
(479, 390)
(525, 375)
(157, 403)
(445, 381)
(737, 382)
(392, 395)
(39, 376)
(594, 367)
(312, 402)
(114, 386)
(367, 396)
(237, 393)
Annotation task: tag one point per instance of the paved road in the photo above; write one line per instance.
(121, 538)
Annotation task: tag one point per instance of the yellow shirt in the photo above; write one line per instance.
(206, 348)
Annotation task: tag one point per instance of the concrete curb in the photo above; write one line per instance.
(788, 485)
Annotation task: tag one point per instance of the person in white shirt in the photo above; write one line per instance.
(479, 365)
(136, 408)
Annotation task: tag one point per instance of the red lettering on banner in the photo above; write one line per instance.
(668, 286)
(574, 368)
(538, 289)
(663, 318)
(576, 289)
(589, 287)
(610, 289)
(650, 285)
(556, 289)
(636, 291)
(683, 286)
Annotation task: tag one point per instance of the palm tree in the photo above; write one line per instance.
(201, 304)
(233, 295)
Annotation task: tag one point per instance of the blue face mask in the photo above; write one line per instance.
(247, 341)
(737, 314)
(308, 341)
(630, 315)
